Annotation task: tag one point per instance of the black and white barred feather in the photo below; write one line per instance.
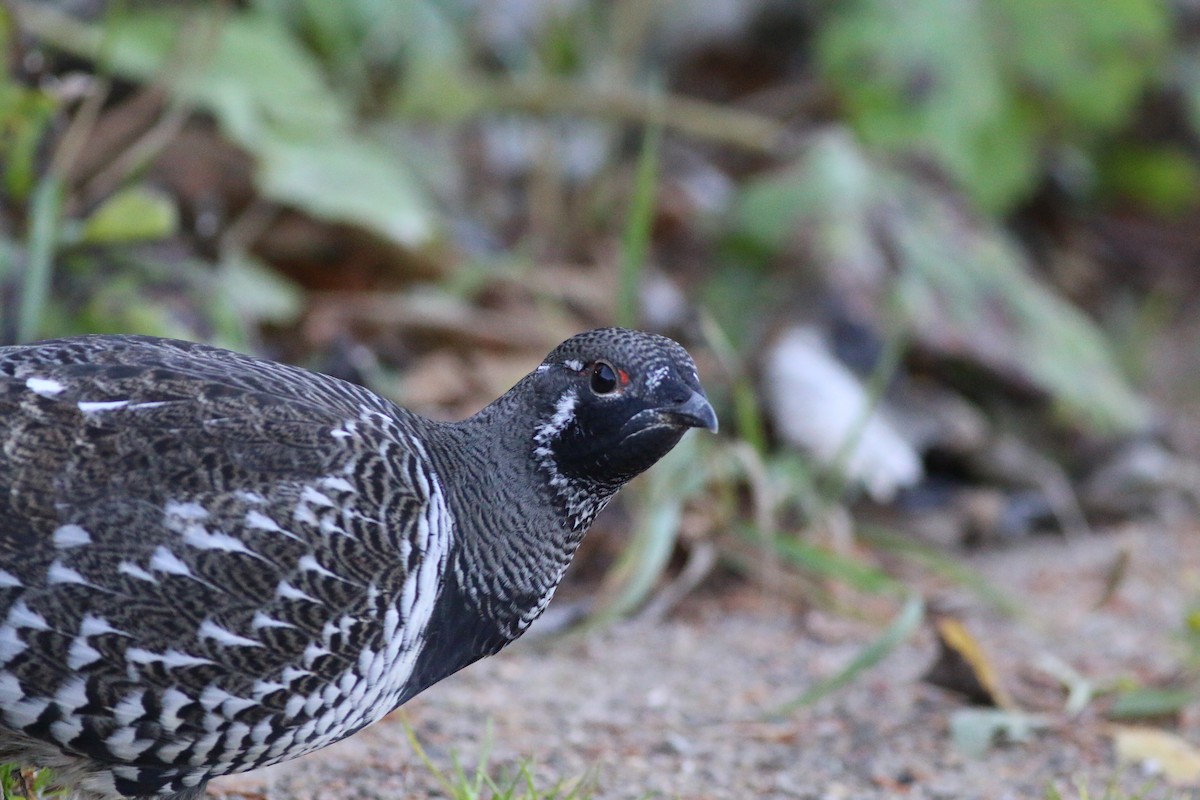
(211, 563)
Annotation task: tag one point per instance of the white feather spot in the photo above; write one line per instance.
(260, 521)
(124, 744)
(309, 563)
(173, 701)
(223, 636)
(10, 689)
(564, 412)
(234, 704)
(313, 703)
(288, 592)
(190, 779)
(174, 508)
(95, 406)
(656, 377)
(22, 711)
(336, 483)
(67, 536)
(128, 709)
(262, 688)
(311, 495)
(59, 572)
(9, 581)
(11, 644)
(292, 674)
(64, 731)
(46, 387)
(295, 704)
(170, 659)
(164, 560)
(213, 696)
(91, 625)
(202, 539)
(261, 620)
(72, 695)
(313, 652)
(133, 570)
(21, 615)
(304, 514)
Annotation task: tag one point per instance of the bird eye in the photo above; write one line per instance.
(604, 378)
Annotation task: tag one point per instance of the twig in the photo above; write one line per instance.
(140, 152)
(694, 117)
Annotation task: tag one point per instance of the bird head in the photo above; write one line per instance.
(612, 402)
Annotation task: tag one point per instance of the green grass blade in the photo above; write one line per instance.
(661, 495)
(636, 240)
(826, 563)
(45, 215)
(941, 563)
(903, 626)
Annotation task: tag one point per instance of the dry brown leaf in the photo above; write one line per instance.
(962, 666)
(1160, 751)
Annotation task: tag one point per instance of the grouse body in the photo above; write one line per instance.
(211, 563)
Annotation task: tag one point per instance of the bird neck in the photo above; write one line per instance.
(513, 534)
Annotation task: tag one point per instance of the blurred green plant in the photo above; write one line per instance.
(40, 196)
(987, 89)
(29, 785)
(959, 283)
(270, 96)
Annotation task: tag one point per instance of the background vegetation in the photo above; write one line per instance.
(972, 224)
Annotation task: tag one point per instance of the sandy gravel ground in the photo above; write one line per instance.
(679, 709)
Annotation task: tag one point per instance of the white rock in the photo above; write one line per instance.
(817, 404)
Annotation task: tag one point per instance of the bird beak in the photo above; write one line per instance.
(695, 412)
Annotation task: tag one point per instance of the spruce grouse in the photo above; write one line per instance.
(211, 563)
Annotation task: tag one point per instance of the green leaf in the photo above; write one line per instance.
(347, 180)
(1166, 180)
(1146, 701)
(25, 115)
(973, 730)
(269, 95)
(982, 88)
(438, 81)
(259, 293)
(131, 215)
(826, 563)
(246, 68)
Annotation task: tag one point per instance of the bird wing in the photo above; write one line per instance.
(204, 556)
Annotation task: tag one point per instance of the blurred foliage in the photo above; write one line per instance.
(16, 784)
(271, 97)
(960, 283)
(986, 88)
(877, 151)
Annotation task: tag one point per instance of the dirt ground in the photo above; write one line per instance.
(680, 709)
